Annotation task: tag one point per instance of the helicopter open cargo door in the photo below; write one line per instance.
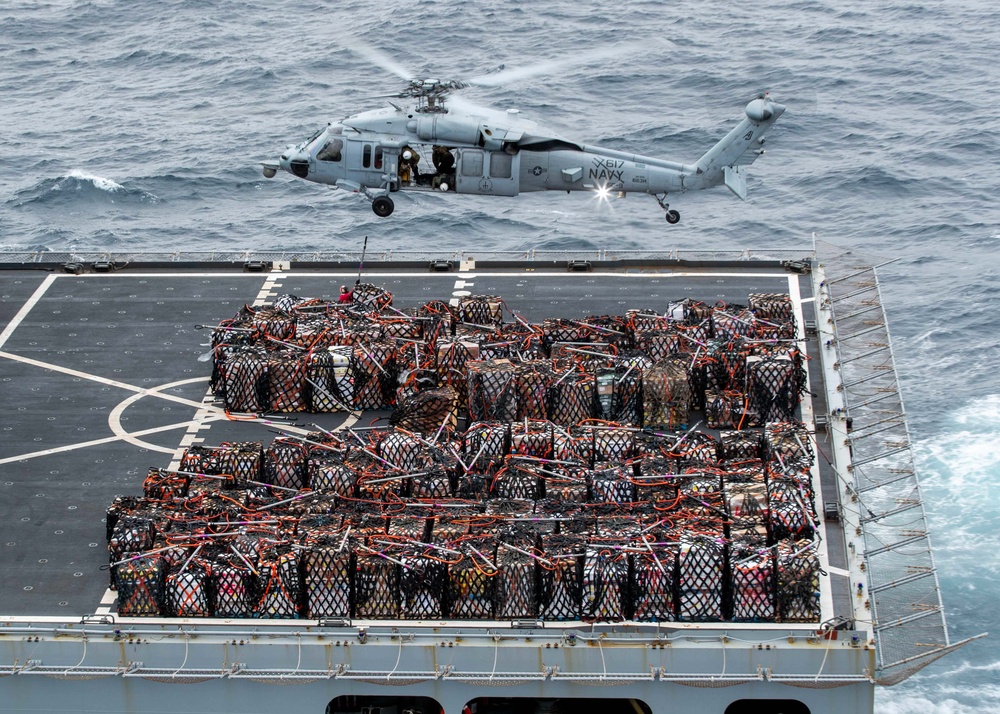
(488, 173)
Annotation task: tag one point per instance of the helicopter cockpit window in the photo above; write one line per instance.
(500, 164)
(472, 163)
(332, 151)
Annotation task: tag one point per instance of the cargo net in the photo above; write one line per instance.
(472, 579)
(516, 590)
(752, 582)
(617, 535)
(140, 584)
(700, 573)
(372, 297)
(774, 314)
(424, 582)
(774, 385)
(605, 582)
(329, 378)
(667, 394)
(561, 577)
(492, 390)
(306, 354)
(797, 582)
(326, 575)
(653, 583)
(577, 491)
(481, 310)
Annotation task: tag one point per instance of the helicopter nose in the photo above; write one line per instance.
(295, 162)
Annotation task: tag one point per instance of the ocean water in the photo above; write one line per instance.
(135, 125)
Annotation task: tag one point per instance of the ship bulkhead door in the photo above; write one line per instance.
(487, 173)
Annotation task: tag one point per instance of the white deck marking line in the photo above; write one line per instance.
(667, 273)
(109, 597)
(115, 423)
(838, 571)
(826, 593)
(527, 272)
(459, 290)
(26, 308)
(98, 442)
(104, 380)
(270, 282)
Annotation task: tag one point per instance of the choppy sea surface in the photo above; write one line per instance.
(135, 125)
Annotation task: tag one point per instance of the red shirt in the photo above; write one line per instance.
(346, 296)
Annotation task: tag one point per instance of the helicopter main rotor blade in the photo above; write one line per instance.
(505, 76)
(380, 59)
(460, 103)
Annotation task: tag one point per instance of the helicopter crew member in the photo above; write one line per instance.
(408, 165)
(444, 160)
(444, 165)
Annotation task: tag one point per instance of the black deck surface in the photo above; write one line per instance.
(75, 368)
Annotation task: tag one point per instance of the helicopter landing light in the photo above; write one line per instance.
(603, 193)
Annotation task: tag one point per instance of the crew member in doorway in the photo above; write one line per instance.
(408, 165)
(444, 165)
(444, 160)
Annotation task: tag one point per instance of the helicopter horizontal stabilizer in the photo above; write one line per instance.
(736, 181)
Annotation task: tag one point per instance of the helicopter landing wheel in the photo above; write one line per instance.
(673, 217)
(382, 206)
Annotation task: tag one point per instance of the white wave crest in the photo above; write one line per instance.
(960, 470)
(104, 184)
(891, 702)
(967, 453)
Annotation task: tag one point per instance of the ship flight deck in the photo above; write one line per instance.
(106, 374)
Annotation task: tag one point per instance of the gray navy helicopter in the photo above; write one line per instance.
(437, 142)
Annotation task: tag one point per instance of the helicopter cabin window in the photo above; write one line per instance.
(472, 163)
(366, 156)
(378, 156)
(500, 164)
(332, 151)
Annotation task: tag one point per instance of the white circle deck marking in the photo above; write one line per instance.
(115, 424)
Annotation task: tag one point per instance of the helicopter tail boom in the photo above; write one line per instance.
(741, 146)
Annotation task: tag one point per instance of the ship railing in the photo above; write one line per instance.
(114, 260)
(882, 492)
